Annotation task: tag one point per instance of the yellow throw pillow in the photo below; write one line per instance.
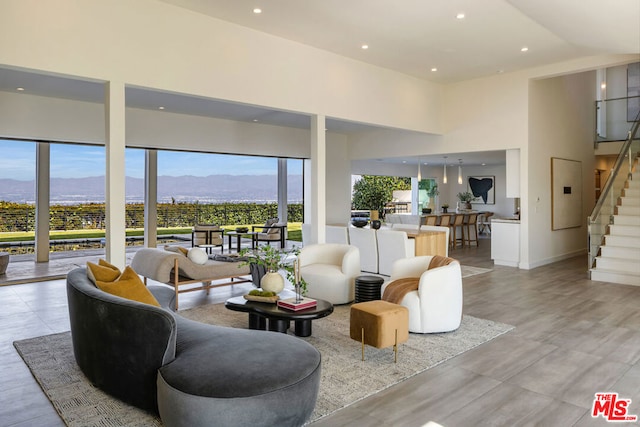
(130, 286)
(104, 263)
(103, 271)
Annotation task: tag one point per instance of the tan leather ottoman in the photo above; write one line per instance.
(379, 324)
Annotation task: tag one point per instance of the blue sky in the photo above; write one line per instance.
(17, 161)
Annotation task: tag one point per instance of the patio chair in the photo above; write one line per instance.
(271, 231)
(207, 236)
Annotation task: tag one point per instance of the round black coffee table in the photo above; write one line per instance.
(269, 316)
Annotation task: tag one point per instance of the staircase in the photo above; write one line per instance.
(619, 257)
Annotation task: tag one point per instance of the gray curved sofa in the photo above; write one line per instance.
(192, 374)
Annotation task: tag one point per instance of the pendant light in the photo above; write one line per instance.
(444, 174)
(460, 171)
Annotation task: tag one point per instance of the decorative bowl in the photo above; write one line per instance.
(242, 229)
(359, 222)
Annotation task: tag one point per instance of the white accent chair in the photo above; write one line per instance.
(411, 220)
(438, 228)
(437, 304)
(330, 270)
(337, 234)
(393, 244)
(407, 227)
(392, 219)
(366, 241)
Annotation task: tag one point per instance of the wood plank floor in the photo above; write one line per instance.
(574, 337)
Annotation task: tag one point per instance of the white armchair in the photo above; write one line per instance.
(437, 304)
(330, 270)
(366, 241)
(393, 245)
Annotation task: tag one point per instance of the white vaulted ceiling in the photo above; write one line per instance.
(414, 36)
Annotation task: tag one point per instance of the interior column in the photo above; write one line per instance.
(282, 191)
(318, 217)
(150, 198)
(42, 202)
(114, 109)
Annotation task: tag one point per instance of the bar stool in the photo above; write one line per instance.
(484, 222)
(470, 229)
(458, 223)
(445, 220)
(430, 220)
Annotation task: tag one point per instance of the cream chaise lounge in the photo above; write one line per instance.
(161, 265)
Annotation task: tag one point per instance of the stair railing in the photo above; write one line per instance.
(602, 215)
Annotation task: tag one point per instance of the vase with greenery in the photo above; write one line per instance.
(432, 192)
(465, 198)
(445, 207)
(271, 260)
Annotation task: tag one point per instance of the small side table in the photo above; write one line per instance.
(368, 288)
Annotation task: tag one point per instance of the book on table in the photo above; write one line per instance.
(291, 304)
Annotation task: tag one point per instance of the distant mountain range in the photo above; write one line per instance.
(208, 189)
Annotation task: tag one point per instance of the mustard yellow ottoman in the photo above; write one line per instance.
(379, 324)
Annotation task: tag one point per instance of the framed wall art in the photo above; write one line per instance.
(566, 193)
(483, 189)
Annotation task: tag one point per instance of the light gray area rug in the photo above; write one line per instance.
(345, 378)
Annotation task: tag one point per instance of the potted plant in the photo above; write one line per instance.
(465, 199)
(445, 207)
(371, 195)
(432, 192)
(265, 263)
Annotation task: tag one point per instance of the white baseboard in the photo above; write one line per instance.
(551, 260)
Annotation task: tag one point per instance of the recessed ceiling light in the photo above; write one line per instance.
(500, 71)
(257, 10)
(160, 108)
(524, 49)
(484, 164)
(404, 161)
(365, 46)
(19, 89)
(434, 69)
(460, 15)
(255, 120)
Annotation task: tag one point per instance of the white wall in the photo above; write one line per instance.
(617, 127)
(50, 119)
(503, 206)
(561, 123)
(152, 44)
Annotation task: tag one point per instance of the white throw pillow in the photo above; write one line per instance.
(197, 256)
